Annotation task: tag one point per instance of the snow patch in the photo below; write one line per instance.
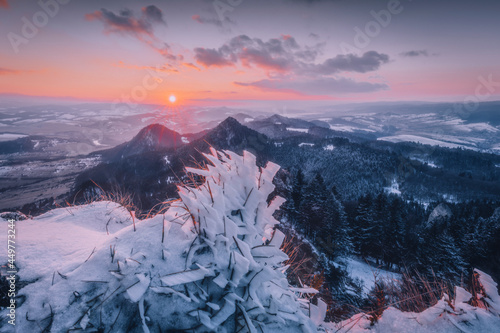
(418, 139)
(394, 188)
(11, 136)
(301, 130)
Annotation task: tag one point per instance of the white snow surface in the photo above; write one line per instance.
(301, 130)
(418, 139)
(211, 263)
(447, 315)
(367, 273)
(11, 136)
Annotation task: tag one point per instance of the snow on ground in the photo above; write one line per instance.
(343, 128)
(306, 144)
(248, 120)
(63, 237)
(184, 139)
(11, 136)
(448, 315)
(329, 147)
(348, 128)
(480, 127)
(97, 143)
(96, 267)
(214, 253)
(367, 273)
(394, 188)
(302, 130)
(418, 139)
(428, 162)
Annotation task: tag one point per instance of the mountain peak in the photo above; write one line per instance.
(230, 134)
(229, 121)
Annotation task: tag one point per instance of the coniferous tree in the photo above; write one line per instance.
(297, 194)
(334, 234)
(313, 207)
(394, 234)
(381, 218)
(363, 226)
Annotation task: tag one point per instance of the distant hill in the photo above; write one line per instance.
(151, 138)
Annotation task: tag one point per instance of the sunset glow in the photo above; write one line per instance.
(319, 52)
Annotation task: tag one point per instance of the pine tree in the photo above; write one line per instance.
(394, 234)
(364, 225)
(381, 218)
(313, 210)
(334, 233)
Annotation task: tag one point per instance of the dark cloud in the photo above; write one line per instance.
(124, 22)
(140, 27)
(292, 67)
(369, 61)
(4, 4)
(153, 14)
(222, 25)
(211, 58)
(276, 54)
(415, 53)
(320, 86)
(284, 54)
(313, 35)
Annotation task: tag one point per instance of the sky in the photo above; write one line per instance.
(237, 52)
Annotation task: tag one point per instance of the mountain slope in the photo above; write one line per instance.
(151, 138)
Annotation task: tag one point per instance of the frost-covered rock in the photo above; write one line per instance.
(441, 211)
(212, 262)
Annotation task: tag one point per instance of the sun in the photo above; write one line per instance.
(172, 98)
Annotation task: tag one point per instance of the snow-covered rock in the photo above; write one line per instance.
(441, 211)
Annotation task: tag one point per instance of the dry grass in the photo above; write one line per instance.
(297, 259)
(415, 292)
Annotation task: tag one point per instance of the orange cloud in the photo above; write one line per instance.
(4, 4)
(165, 68)
(191, 65)
(8, 71)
